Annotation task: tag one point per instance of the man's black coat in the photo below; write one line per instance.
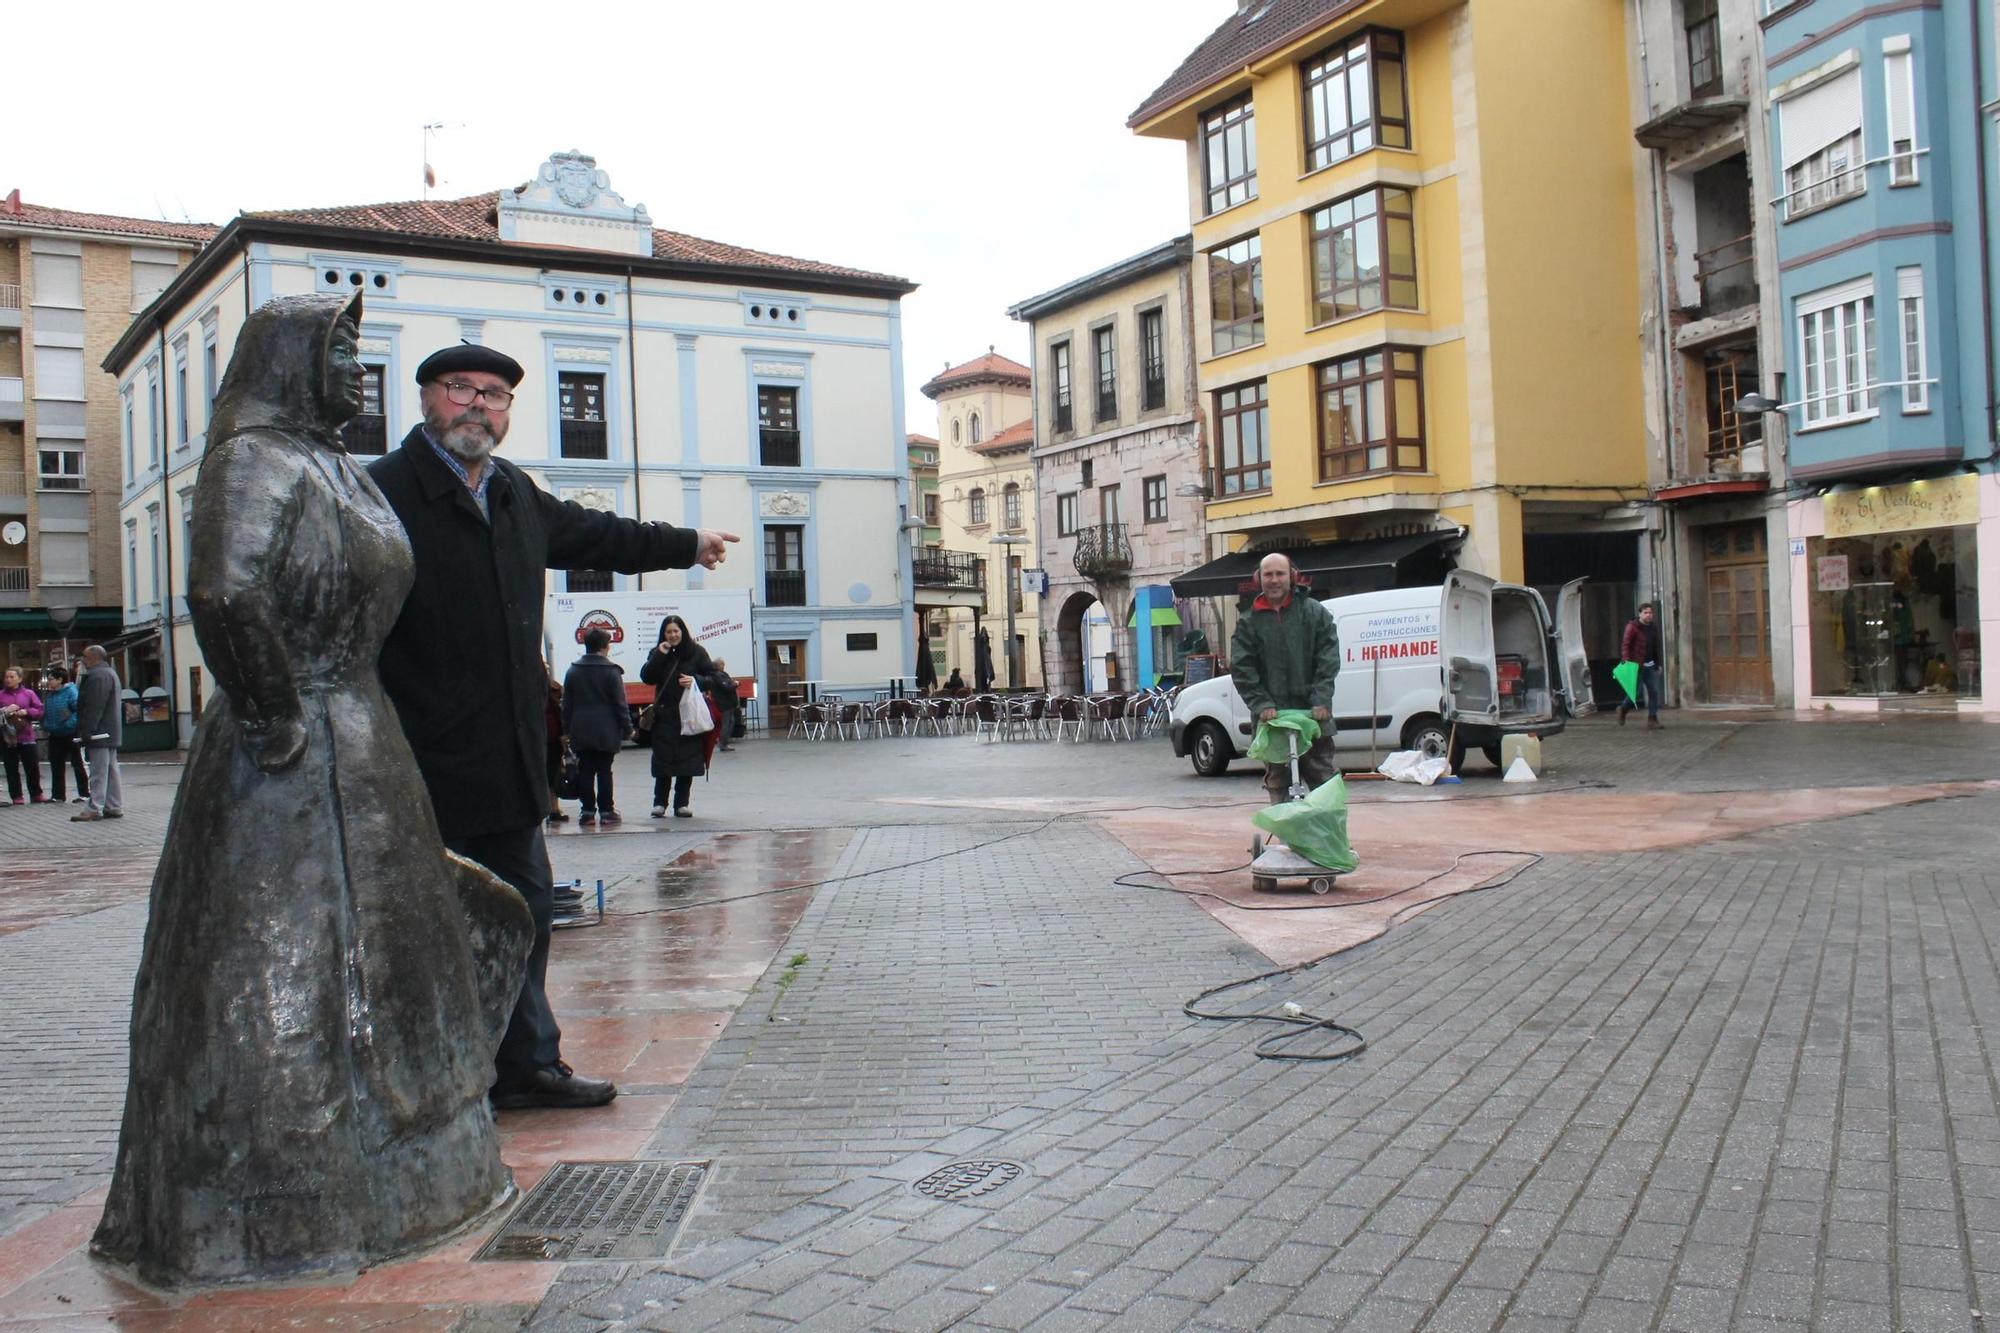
(463, 664)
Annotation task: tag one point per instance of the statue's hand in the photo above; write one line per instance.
(278, 745)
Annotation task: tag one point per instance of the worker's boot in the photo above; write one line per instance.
(1623, 709)
(1652, 724)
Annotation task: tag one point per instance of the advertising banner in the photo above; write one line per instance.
(720, 620)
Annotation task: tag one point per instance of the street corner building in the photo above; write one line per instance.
(1414, 316)
(1120, 470)
(70, 282)
(669, 378)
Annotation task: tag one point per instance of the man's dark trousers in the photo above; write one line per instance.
(533, 1040)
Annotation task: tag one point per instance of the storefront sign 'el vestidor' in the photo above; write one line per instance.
(1943, 502)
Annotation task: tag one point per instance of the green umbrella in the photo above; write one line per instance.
(1627, 675)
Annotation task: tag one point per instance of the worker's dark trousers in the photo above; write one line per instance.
(520, 857)
(1316, 765)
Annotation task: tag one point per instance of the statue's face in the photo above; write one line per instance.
(344, 372)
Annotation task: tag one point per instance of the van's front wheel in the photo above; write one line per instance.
(1209, 749)
(1427, 734)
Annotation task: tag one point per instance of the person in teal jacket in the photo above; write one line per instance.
(1285, 654)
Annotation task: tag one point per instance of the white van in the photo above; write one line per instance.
(1443, 670)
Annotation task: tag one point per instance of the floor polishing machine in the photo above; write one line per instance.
(1274, 865)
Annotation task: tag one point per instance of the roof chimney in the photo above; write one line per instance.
(12, 204)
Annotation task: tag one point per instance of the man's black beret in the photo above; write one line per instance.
(470, 356)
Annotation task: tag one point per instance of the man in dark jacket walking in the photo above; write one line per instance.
(1285, 654)
(100, 730)
(597, 720)
(1641, 644)
(463, 664)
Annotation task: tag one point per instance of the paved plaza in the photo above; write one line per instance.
(1708, 1053)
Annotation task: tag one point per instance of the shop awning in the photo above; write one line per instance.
(88, 619)
(1162, 615)
(1334, 568)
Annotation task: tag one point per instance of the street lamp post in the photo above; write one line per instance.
(1008, 541)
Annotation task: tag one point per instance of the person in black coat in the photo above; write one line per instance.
(676, 663)
(727, 706)
(463, 663)
(597, 720)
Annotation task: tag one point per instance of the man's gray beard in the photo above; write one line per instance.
(466, 439)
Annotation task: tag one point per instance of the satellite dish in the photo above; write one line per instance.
(14, 533)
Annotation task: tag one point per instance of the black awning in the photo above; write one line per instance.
(1334, 569)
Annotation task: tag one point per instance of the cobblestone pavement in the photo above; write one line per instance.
(1741, 1086)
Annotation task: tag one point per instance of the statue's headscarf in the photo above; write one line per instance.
(280, 374)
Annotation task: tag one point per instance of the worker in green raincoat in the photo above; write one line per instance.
(1284, 655)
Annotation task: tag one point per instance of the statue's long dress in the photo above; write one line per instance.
(322, 986)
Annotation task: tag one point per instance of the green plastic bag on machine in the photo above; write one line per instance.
(1314, 826)
(1268, 745)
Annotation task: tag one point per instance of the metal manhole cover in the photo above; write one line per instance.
(600, 1210)
(968, 1180)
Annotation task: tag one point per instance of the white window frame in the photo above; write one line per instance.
(131, 564)
(1838, 379)
(1834, 173)
(63, 478)
(1912, 340)
(1902, 118)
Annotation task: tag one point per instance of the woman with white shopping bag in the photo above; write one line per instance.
(681, 673)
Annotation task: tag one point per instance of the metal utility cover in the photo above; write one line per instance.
(600, 1210)
(968, 1180)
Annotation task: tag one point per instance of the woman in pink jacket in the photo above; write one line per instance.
(20, 709)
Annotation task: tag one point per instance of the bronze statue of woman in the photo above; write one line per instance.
(323, 986)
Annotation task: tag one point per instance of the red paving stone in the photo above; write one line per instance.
(640, 999)
(42, 886)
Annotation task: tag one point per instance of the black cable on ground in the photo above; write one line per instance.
(935, 856)
(1297, 1021)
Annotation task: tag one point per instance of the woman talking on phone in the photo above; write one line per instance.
(677, 663)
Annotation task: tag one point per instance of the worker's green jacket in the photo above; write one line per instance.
(1285, 657)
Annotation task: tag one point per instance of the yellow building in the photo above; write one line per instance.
(986, 512)
(1415, 311)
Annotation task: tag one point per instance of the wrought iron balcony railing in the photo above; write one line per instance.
(585, 439)
(1102, 551)
(935, 567)
(784, 587)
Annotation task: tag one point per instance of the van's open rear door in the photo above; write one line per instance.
(1575, 663)
(1465, 643)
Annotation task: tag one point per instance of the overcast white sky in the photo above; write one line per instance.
(977, 149)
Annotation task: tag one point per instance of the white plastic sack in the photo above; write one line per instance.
(1412, 766)
(694, 713)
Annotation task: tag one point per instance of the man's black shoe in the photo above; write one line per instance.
(556, 1088)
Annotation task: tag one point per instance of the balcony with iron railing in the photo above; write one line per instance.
(10, 305)
(784, 587)
(935, 567)
(1102, 551)
(778, 448)
(1725, 276)
(585, 439)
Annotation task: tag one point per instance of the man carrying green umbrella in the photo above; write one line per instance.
(1638, 668)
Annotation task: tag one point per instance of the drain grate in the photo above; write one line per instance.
(968, 1180)
(600, 1210)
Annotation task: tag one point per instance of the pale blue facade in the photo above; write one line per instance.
(1917, 224)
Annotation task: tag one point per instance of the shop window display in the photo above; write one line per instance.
(1895, 613)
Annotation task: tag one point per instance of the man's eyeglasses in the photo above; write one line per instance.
(458, 391)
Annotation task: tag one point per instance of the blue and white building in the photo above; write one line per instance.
(669, 378)
(1881, 127)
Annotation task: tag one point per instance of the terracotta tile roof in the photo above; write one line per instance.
(13, 209)
(1017, 436)
(992, 366)
(475, 218)
(1244, 36)
(914, 438)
